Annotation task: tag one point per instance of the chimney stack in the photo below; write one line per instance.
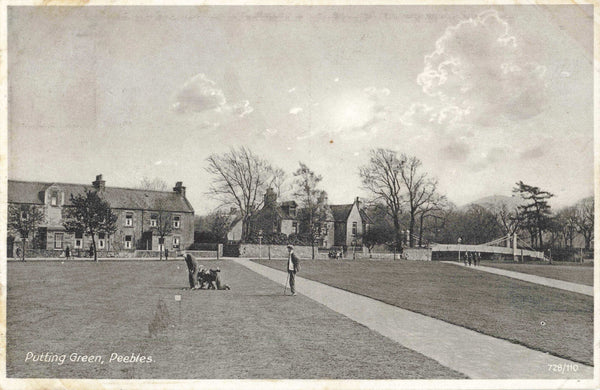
(99, 184)
(179, 188)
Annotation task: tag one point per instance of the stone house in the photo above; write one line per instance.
(138, 213)
(350, 223)
(343, 225)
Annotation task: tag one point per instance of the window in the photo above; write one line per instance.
(295, 227)
(176, 241)
(293, 211)
(58, 240)
(101, 240)
(153, 220)
(129, 219)
(78, 240)
(176, 221)
(127, 242)
(354, 228)
(54, 198)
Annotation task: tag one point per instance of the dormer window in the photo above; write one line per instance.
(54, 198)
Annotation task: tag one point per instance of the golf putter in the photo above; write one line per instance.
(286, 283)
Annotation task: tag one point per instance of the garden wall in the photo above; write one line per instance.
(278, 251)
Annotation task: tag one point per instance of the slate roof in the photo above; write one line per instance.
(341, 211)
(119, 198)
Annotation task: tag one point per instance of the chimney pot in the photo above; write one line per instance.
(99, 183)
(179, 188)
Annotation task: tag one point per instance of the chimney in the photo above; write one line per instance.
(179, 188)
(357, 201)
(270, 197)
(99, 184)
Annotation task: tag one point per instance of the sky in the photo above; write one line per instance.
(484, 96)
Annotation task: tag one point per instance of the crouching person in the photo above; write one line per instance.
(218, 282)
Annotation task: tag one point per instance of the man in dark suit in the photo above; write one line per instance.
(293, 266)
(192, 265)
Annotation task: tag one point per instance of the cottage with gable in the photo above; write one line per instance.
(350, 223)
(138, 212)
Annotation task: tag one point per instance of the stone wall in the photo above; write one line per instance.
(278, 251)
(420, 254)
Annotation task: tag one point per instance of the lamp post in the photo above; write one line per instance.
(459, 241)
(260, 236)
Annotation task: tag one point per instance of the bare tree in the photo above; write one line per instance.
(382, 178)
(24, 220)
(419, 189)
(433, 204)
(509, 219)
(585, 220)
(314, 202)
(155, 184)
(240, 178)
(164, 224)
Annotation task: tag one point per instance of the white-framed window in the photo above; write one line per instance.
(128, 219)
(153, 220)
(101, 241)
(128, 241)
(54, 198)
(176, 221)
(295, 227)
(78, 240)
(58, 240)
(176, 242)
(354, 228)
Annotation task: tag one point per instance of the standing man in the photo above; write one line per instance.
(166, 254)
(68, 252)
(293, 266)
(192, 265)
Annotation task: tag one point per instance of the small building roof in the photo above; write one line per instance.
(341, 211)
(119, 198)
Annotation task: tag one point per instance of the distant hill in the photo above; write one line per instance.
(495, 201)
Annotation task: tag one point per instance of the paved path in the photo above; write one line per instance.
(473, 354)
(574, 287)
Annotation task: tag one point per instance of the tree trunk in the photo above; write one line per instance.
(94, 248)
(23, 250)
(421, 229)
(397, 232)
(411, 228)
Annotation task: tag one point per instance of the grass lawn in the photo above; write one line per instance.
(251, 331)
(490, 304)
(569, 273)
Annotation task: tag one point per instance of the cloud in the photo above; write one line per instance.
(200, 94)
(296, 110)
(483, 71)
(455, 151)
(242, 108)
(293, 89)
(532, 153)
